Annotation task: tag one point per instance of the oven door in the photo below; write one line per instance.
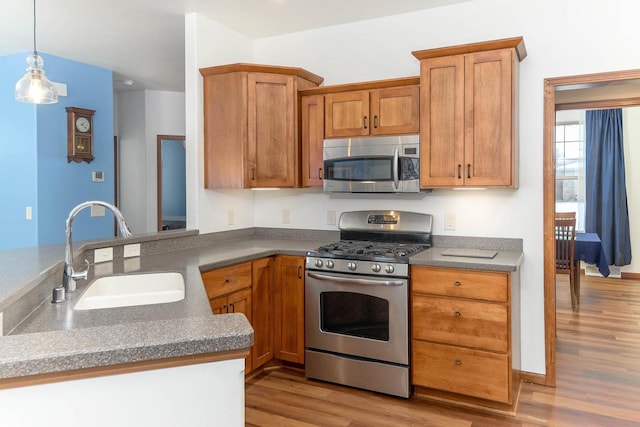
(361, 316)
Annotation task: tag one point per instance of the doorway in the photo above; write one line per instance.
(172, 199)
(549, 197)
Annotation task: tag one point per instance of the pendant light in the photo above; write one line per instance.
(35, 87)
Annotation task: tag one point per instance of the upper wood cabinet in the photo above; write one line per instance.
(311, 138)
(468, 101)
(250, 125)
(374, 112)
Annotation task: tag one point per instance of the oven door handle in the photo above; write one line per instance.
(356, 281)
(396, 178)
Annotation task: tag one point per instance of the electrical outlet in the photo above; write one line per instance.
(132, 250)
(286, 216)
(331, 217)
(103, 255)
(28, 212)
(230, 217)
(449, 221)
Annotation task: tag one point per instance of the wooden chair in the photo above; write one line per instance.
(565, 248)
(565, 215)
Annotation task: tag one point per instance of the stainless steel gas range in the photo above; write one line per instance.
(357, 301)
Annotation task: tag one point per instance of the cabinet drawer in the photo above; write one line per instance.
(485, 285)
(461, 322)
(225, 280)
(469, 372)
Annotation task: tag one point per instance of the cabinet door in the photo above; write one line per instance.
(271, 130)
(395, 110)
(312, 137)
(240, 302)
(289, 308)
(219, 305)
(225, 130)
(489, 110)
(346, 114)
(262, 311)
(442, 122)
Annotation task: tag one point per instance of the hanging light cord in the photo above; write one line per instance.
(35, 52)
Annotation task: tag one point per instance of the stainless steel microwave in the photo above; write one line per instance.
(382, 164)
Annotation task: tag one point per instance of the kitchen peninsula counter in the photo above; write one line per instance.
(57, 339)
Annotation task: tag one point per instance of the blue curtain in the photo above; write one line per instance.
(606, 210)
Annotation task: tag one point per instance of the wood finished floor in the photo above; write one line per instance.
(598, 378)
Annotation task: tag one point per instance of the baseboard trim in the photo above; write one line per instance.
(630, 276)
(534, 378)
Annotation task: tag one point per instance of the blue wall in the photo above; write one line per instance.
(174, 197)
(56, 186)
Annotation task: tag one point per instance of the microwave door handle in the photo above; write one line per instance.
(396, 180)
(355, 281)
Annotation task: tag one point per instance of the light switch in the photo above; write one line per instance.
(449, 221)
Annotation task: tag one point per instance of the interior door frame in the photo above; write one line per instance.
(549, 197)
(159, 140)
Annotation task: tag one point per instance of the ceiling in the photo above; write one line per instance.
(143, 40)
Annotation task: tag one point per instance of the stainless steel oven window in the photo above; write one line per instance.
(354, 314)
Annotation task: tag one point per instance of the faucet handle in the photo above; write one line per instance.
(82, 274)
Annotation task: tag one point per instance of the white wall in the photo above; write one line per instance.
(208, 43)
(142, 116)
(563, 37)
(132, 157)
(164, 112)
(631, 135)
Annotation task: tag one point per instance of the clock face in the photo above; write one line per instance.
(83, 124)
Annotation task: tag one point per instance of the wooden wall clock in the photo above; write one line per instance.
(79, 134)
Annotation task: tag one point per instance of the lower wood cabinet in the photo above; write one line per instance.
(461, 332)
(270, 293)
(289, 308)
(229, 291)
(262, 312)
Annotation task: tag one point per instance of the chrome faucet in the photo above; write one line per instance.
(69, 275)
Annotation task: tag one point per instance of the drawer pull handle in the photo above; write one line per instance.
(457, 283)
(364, 122)
(457, 313)
(458, 362)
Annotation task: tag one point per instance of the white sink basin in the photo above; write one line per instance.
(132, 289)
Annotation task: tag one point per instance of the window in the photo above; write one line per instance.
(570, 167)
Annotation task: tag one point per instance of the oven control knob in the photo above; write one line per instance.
(389, 269)
(376, 268)
(351, 265)
(330, 264)
(319, 263)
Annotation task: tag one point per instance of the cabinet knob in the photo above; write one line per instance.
(458, 362)
(227, 280)
(364, 122)
(457, 283)
(457, 314)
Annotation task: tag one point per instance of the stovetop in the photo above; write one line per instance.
(369, 251)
